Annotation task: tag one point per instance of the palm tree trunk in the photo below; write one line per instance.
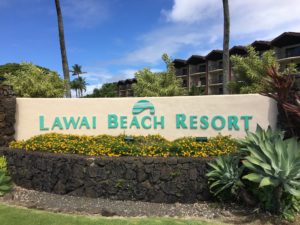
(63, 50)
(226, 45)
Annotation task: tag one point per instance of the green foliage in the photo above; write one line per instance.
(151, 145)
(250, 72)
(107, 90)
(274, 162)
(270, 171)
(197, 90)
(225, 174)
(32, 81)
(5, 180)
(79, 85)
(151, 84)
(12, 68)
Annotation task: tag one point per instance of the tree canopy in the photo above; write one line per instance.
(250, 71)
(107, 90)
(158, 84)
(29, 80)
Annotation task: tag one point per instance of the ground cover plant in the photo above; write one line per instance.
(5, 180)
(12, 215)
(105, 145)
(265, 173)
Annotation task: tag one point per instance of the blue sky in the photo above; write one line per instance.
(112, 39)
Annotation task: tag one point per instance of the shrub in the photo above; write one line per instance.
(105, 145)
(5, 180)
(271, 172)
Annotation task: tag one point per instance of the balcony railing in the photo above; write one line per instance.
(215, 67)
(218, 80)
(198, 69)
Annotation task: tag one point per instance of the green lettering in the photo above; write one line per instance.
(144, 125)
(84, 122)
(193, 122)
(57, 123)
(123, 122)
(214, 120)
(71, 121)
(94, 122)
(233, 123)
(135, 122)
(161, 122)
(112, 121)
(204, 122)
(246, 121)
(180, 121)
(42, 124)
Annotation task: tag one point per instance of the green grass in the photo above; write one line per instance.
(10, 215)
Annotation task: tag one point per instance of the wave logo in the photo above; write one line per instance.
(141, 106)
(137, 121)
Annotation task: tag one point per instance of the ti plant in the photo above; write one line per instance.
(5, 180)
(272, 161)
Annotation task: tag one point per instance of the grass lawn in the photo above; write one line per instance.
(10, 215)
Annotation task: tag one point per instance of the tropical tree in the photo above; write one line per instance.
(32, 81)
(107, 90)
(79, 85)
(226, 28)
(250, 72)
(76, 70)
(63, 49)
(158, 84)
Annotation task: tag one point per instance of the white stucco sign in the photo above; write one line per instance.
(172, 117)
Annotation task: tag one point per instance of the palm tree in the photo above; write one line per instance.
(226, 59)
(79, 85)
(76, 70)
(63, 50)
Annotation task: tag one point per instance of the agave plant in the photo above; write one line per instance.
(273, 161)
(225, 174)
(260, 136)
(5, 180)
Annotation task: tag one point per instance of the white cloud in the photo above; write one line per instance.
(247, 16)
(196, 26)
(190, 11)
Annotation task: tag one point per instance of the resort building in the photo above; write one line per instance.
(206, 72)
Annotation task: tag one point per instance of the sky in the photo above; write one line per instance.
(112, 39)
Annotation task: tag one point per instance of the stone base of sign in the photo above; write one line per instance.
(7, 114)
(152, 179)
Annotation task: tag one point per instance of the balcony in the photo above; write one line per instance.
(181, 72)
(216, 81)
(215, 66)
(289, 53)
(197, 69)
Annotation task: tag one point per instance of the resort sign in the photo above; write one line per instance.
(171, 117)
(151, 121)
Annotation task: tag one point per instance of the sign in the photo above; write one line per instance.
(172, 117)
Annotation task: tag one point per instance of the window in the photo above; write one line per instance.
(291, 52)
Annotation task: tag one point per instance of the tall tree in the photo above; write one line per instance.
(151, 84)
(63, 50)
(226, 30)
(76, 70)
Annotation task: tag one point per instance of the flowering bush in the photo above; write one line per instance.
(105, 145)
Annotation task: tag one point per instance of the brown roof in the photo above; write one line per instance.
(261, 45)
(179, 62)
(215, 55)
(286, 38)
(194, 59)
(238, 50)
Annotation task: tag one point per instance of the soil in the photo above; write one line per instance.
(226, 213)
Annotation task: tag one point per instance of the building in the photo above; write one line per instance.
(206, 72)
